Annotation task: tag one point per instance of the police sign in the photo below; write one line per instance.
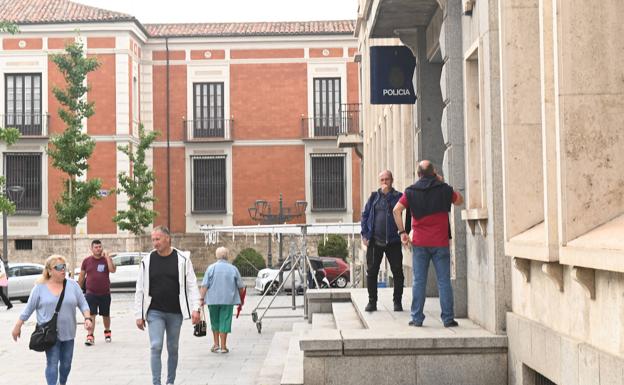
(392, 69)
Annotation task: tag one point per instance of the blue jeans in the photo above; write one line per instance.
(58, 360)
(158, 323)
(441, 258)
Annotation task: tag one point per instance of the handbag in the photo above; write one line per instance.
(45, 334)
(200, 327)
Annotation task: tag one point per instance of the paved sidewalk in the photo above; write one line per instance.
(125, 361)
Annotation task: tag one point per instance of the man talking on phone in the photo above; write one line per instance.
(96, 269)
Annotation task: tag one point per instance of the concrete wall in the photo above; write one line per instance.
(202, 254)
(562, 151)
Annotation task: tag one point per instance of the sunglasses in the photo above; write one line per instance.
(59, 267)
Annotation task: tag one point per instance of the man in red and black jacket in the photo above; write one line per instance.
(429, 201)
(380, 236)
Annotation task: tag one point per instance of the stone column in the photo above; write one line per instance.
(452, 131)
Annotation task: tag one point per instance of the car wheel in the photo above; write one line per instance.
(23, 299)
(341, 282)
(270, 289)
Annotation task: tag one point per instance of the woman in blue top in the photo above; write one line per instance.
(224, 288)
(43, 299)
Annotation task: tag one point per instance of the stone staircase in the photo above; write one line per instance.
(343, 344)
(285, 354)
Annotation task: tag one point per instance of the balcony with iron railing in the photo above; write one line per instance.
(320, 126)
(345, 122)
(208, 130)
(350, 119)
(345, 127)
(351, 128)
(29, 125)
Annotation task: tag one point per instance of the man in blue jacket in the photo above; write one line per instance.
(379, 234)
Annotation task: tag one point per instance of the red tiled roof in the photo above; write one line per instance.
(67, 12)
(55, 11)
(253, 29)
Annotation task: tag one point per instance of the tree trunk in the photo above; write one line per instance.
(72, 251)
(72, 245)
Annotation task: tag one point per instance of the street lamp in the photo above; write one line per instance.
(261, 212)
(15, 195)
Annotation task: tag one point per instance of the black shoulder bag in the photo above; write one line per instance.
(199, 330)
(44, 336)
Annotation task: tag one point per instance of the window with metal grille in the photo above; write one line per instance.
(24, 169)
(208, 184)
(23, 103)
(326, 106)
(208, 109)
(23, 244)
(541, 380)
(328, 182)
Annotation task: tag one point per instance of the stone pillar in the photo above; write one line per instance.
(452, 130)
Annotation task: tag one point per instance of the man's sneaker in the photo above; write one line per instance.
(451, 324)
(414, 323)
(372, 306)
(90, 340)
(398, 306)
(107, 336)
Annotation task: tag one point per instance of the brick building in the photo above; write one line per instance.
(244, 111)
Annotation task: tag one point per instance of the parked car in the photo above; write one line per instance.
(22, 278)
(266, 276)
(127, 269)
(337, 270)
(128, 263)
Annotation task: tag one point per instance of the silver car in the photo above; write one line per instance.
(127, 264)
(22, 278)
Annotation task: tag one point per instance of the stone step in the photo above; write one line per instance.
(299, 328)
(323, 321)
(293, 366)
(345, 316)
(273, 366)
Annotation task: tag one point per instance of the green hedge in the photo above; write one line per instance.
(334, 246)
(248, 262)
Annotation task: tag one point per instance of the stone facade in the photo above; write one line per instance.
(397, 137)
(147, 74)
(540, 162)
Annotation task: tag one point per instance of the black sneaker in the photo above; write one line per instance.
(414, 323)
(398, 306)
(372, 306)
(451, 324)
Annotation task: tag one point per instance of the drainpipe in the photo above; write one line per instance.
(168, 144)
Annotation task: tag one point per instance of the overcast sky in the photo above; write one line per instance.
(208, 11)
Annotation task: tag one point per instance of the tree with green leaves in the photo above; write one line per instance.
(11, 28)
(138, 186)
(71, 150)
(9, 136)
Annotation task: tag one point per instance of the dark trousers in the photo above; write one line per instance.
(374, 256)
(4, 297)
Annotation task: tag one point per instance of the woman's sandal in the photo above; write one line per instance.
(215, 349)
(225, 350)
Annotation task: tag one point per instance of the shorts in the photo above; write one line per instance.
(221, 318)
(99, 302)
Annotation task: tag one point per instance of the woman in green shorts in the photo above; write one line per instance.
(221, 289)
